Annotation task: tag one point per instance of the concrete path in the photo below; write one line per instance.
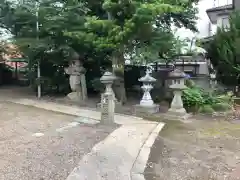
(121, 156)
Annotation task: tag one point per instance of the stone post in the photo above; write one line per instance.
(83, 84)
(107, 99)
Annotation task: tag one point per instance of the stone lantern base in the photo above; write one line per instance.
(176, 114)
(140, 109)
(74, 96)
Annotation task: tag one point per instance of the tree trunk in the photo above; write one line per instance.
(118, 62)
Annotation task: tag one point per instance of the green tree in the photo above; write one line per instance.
(224, 49)
(104, 28)
(129, 25)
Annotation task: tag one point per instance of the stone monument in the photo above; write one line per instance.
(107, 99)
(177, 111)
(77, 80)
(146, 104)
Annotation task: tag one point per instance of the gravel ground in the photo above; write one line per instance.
(199, 150)
(49, 157)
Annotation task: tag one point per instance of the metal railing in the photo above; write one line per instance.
(218, 3)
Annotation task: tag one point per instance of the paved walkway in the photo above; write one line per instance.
(121, 156)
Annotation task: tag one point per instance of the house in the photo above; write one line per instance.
(219, 15)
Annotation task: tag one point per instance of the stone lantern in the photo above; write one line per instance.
(177, 111)
(107, 99)
(146, 104)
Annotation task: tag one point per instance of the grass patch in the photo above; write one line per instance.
(222, 129)
(172, 127)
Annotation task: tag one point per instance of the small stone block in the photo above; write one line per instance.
(181, 116)
(74, 96)
(137, 176)
(138, 109)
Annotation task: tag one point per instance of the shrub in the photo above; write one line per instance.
(97, 85)
(190, 83)
(228, 98)
(209, 99)
(221, 106)
(192, 97)
(206, 109)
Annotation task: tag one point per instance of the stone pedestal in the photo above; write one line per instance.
(180, 115)
(177, 111)
(74, 96)
(141, 110)
(107, 99)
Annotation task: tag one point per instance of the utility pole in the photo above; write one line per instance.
(38, 64)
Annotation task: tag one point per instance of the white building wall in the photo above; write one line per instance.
(223, 21)
(204, 25)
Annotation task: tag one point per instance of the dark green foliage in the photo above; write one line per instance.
(198, 99)
(190, 83)
(100, 31)
(221, 107)
(192, 97)
(206, 109)
(224, 51)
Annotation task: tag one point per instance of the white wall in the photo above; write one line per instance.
(203, 22)
(223, 21)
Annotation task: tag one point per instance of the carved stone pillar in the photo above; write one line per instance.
(107, 99)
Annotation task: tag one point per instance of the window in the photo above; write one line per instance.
(225, 22)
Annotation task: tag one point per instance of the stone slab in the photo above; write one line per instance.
(86, 120)
(177, 115)
(138, 109)
(114, 158)
(141, 161)
(77, 111)
(74, 96)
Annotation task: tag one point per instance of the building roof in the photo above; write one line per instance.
(215, 12)
(221, 8)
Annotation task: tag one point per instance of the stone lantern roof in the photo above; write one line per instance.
(177, 74)
(147, 78)
(107, 78)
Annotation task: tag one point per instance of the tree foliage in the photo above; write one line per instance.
(104, 26)
(224, 49)
(102, 30)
